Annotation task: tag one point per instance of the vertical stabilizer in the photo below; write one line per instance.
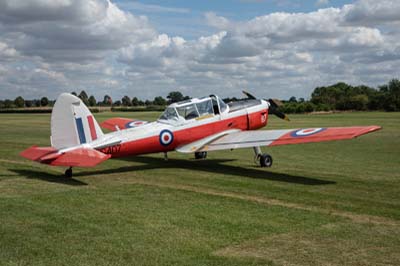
(72, 123)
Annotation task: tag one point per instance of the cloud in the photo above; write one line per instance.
(70, 30)
(94, 45)
(370, 12)
(137, 6)
(217, 22)
(322, 3)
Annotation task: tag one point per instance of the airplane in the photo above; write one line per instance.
(196, 126)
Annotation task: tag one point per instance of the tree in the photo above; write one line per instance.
(293, 99)
(36, 102)
(84, 97)
(135, 101)
(8, 103)
(126, 101)
(74, 93)
(308, 107)
(175, 96)
(358, 102)
(107, 100)
(44, 101)
(148, 103)
(92, 101)
(159, 101)
(394, 92)
(19, 102)
(28, 103)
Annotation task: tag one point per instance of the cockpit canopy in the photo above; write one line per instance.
(194, 108)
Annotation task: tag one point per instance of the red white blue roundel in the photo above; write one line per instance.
(135, 123)
(306, 132)
(166, 137)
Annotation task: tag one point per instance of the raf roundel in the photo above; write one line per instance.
(306, 132)
(166, 137)
(135, 123)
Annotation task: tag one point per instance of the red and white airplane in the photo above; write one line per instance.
(194, 126)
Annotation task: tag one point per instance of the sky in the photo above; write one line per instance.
(274, 49)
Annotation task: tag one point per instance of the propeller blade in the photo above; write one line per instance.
(280, 114)
(250, 96)
(273, 108)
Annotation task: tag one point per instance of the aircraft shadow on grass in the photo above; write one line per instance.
(209, 165)
(53, 178)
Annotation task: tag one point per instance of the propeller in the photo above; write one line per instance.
(273, 106)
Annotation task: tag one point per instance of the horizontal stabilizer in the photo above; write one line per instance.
(81, 158)
(119, 123)
(34, 153)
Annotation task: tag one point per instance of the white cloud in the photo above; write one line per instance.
(322, 3)
(152, 8)
(94, 45)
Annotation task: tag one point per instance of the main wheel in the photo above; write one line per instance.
(200, 155)
(68, 172)
(265, 160)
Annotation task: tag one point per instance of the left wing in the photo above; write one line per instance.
(119, 123)
(252, 138)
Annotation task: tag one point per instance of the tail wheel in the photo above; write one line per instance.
(265, 160)
(200, 155)
(68, 172)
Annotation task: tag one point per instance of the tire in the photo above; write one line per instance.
(68, 173)
(266, 160)
(200, 155)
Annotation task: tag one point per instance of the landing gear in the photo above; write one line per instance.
(265, 159)
(68, 172)
(200, 155)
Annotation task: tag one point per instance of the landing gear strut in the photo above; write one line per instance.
(68, 172)
(264, 159)
(200, 155)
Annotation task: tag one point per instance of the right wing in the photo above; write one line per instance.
(253, 138)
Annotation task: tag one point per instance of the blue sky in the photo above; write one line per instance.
(186, 18)
(144, 49)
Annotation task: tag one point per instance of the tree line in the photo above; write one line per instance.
(339, 96)
(126, 101)
(342, 97)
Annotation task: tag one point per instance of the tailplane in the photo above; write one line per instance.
(72, 125)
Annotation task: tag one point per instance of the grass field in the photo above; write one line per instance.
(332, 203)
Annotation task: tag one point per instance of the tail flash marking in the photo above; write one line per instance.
(92, 128)
(81, 132)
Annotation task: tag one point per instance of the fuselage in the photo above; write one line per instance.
(167, 134)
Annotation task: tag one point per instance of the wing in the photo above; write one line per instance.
(82, 157)
(119, 123)
(245, 139)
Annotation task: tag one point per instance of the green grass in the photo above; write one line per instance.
(332, 203)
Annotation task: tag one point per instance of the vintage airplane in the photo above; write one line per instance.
(194, 126)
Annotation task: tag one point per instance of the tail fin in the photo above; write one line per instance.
(72, 123)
